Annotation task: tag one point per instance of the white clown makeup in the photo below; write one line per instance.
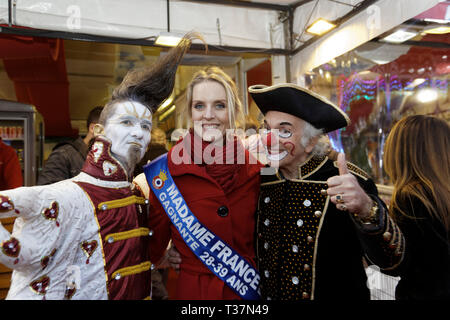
(129, 128)
(282, 140)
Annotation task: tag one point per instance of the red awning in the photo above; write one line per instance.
(37, 66)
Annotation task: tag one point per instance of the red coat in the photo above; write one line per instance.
(205, 196)
(10, 171)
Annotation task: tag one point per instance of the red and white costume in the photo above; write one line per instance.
(82, 238)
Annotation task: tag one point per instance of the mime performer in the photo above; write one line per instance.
(86, 237)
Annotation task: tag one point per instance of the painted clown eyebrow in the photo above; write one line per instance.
(134, 113)
(125, 116)
(284, 123)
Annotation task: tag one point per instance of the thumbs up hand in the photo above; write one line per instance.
(342, 164)
(346, 193)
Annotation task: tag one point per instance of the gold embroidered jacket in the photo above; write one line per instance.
(307, 249)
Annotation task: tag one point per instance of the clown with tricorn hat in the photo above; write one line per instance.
(317, 217)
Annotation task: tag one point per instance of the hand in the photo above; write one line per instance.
(171, 259)
(346, 193)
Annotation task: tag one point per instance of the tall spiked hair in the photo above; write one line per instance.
(151, 86)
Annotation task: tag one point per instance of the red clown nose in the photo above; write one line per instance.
(267, 139)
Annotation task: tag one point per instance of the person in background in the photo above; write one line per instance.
(10, 170)
(222, 194)
(67, 158)
(417, 159)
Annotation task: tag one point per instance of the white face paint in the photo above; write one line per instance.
(276, 156)
(129, 125)
(286, 149)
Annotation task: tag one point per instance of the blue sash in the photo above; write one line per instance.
(217, 256)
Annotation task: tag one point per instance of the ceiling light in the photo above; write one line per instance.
(437, 30)
(426, 95)
(399, 36)
(320, 26)
(168, 39)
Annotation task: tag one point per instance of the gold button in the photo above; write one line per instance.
(306, 267)
(309, 239)
(387, 236)
(305, 295)
(323, 192)
(318, 213)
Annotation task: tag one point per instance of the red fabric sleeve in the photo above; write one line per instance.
(160, 224)
(11, 171)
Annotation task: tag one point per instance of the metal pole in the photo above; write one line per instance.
(168, 16)
(10, 13)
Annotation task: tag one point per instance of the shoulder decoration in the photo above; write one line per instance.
(40, 286)
(355, 170)
(11, 248)
(88, 248)
(5, 204)
(52, 212)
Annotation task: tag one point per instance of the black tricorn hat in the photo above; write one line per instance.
(300, 102)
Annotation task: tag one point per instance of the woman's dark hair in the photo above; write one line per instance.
(417, 158)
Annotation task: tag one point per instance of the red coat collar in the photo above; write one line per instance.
(180, 163)
(101, 164)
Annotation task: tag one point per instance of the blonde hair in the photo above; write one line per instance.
(417, 159)
(234, 105)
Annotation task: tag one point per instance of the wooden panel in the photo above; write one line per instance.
(4, 269)
(5, 280)
(3, 293)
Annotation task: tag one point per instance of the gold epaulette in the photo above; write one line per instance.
(355, 170)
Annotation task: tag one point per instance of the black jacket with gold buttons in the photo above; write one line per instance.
(308, 249)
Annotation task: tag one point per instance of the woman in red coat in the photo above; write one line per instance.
(219, 181)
